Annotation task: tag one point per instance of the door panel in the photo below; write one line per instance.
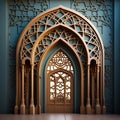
(60, 86)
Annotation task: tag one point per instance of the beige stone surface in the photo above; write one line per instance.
(59, 117)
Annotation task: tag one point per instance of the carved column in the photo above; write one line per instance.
(98, 109)
(93, 90)
(16, 104)
(82, 107)
(101, 88)
(103, 85)
(22, 107)
(88, 106)
(38, 107)
(32, 106)
(27, 88)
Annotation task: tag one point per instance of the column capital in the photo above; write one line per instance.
(88, 64)
(32, 65)
(22, 64)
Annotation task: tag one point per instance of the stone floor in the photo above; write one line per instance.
(59, 117)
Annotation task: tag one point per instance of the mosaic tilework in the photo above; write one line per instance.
(97, 11)
(22, 11)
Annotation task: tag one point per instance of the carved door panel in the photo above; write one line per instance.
(60, 86)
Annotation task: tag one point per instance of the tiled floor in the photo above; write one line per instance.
(59, 117)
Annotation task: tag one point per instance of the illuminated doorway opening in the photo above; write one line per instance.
(60, 84)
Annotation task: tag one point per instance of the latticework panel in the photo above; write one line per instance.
(60, 60)
(97, 11)
(60, 79)
(61, 16)
(67, 36)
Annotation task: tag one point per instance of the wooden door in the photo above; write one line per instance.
(60, 84)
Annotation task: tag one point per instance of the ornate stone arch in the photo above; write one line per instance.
(34, 36)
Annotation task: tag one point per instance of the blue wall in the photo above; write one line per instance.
(3, 56)
(117, 57)
(16, 15)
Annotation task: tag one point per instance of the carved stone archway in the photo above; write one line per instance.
(81, 36)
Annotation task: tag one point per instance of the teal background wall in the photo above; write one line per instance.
(117, 56)
(3, 56)
(16, 14)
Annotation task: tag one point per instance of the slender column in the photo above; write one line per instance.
(39, 93)
(82, 107)
(88, 106)
(27, 94)
(103, 85)
(38, 107)
(32, 106)
(101, 89)
(93, 91)
(16, 105)
(19, 86)
(22, 107)
(98, 109)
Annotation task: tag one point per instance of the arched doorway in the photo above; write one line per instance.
(61, 64)
(71, 56)
(60, 80)
(38, 40)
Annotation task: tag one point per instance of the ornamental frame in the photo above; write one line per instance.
(32, 49)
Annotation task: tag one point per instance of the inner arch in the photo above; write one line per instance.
(67, 30)
(61, 46)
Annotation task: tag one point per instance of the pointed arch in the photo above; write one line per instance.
(82, 30)
(55, 43)
(49, 31)
(40, 20)
(61, 42)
